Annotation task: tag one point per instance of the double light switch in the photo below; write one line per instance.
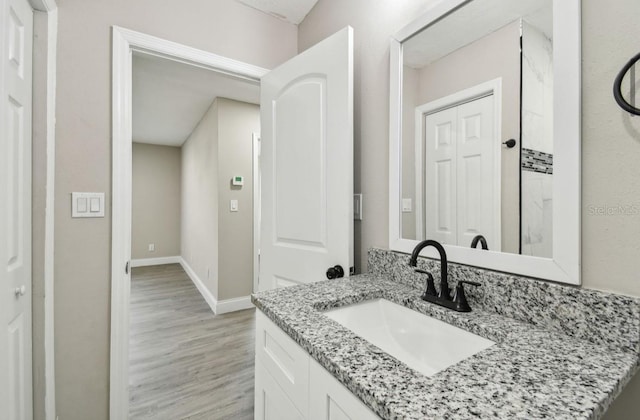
(87, 204)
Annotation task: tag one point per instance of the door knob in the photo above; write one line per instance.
(20, 291)
(335, 272)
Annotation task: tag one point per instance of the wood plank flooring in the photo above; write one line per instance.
(186, 362)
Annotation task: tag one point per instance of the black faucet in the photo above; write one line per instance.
(459, 302)
(482, 240)
(413, 262)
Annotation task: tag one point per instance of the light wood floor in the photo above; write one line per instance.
(186, 363)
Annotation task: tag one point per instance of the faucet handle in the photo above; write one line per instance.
(472, 283)
(430, 289)
(459, 297)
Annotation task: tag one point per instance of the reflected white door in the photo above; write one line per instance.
(307, 164)
(461, 199)
(441, 131)
(15, 210)
(475, 189)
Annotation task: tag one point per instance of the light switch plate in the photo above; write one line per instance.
(233, 205)
(85, 204)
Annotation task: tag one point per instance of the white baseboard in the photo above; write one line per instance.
(204, 291)
(144, 262)
(234, 304)
(221, 307)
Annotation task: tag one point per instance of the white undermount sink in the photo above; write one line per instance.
(423, 343)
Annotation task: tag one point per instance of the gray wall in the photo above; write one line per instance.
(199, 225)
(410, 84)
(217, 243)
(83, 160)
(610, 138)
(155, 201)
(610, 150)
(236, 123)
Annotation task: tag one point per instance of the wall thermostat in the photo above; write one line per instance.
(238, 180)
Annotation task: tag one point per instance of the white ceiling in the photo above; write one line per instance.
(470, 23)
(292, 11)
(170, 98)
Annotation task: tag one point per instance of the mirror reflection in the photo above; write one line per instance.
(477, 128)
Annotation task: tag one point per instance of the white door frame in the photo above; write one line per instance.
(492, 87)
(125, 42)
(256, 210)
(51, 9)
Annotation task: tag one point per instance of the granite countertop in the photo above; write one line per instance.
(530, 373)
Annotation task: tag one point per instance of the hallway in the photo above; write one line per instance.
(186, 363)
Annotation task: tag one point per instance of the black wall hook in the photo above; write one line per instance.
(617, 87)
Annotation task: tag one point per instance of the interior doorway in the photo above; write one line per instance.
(193, 175)
(127, 46)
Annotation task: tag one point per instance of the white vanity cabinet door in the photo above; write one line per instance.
(284, 360)
(330, 400)
(271, 402)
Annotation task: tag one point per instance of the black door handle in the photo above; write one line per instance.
(335, 272)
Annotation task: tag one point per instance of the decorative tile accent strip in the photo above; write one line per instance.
(601, 318)
(537, 161)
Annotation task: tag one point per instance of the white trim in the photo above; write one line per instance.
(125, 42)
(217, 307)
(256, 210)
(146, 262)
(234, 304)
(204, 291)
(564, 267)
(395, 142)
(140, 42)
(49, 234)
(437, 10)
(121, 226)
(492, 87)
(46, 6)
(50, 8)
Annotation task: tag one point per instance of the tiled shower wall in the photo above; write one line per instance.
(537, 143)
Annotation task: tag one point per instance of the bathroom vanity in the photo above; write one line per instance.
(559, 365)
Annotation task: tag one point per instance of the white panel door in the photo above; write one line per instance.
(441, 132)
(462, 185)
(15, 210)
(307, 164)
(476, 184)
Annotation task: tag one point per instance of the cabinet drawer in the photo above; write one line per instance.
(284, 359)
